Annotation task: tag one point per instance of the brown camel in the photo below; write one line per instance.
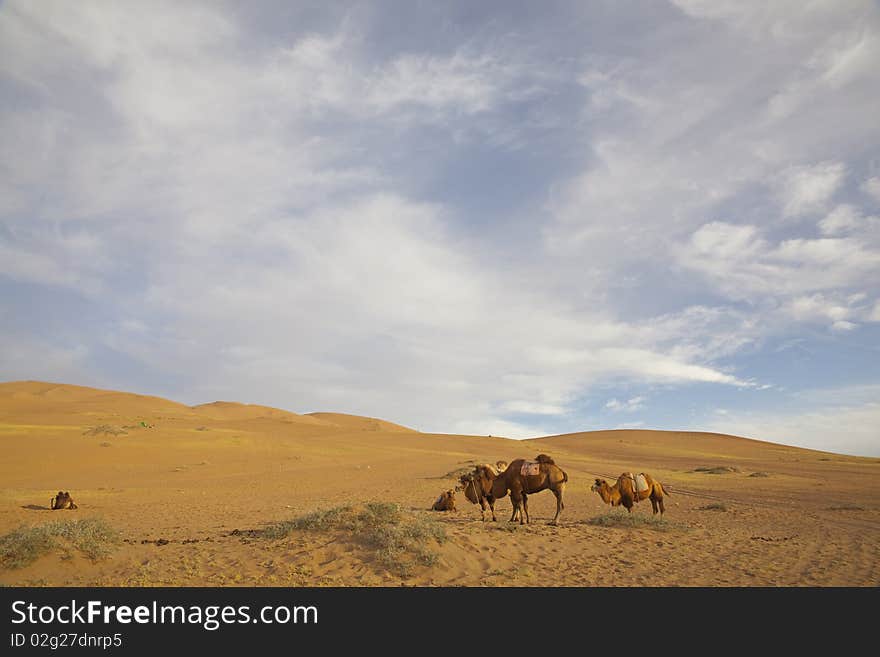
(630, 489)
(446, 501)
(477, 487)
(62, 501)
(522, 478)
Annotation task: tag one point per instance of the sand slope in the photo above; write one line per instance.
(192, 476)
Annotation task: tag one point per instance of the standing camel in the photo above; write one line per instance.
(522, 478)
(630, 489)
(477, 488)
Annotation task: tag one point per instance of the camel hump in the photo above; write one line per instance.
(543, 458)
(491, 468)
(530, 468)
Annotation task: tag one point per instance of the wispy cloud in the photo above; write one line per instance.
(628, 406)
(805, 189)
(836, 420)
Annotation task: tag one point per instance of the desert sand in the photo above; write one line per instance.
(189, 489)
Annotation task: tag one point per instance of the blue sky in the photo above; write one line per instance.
(500, 218)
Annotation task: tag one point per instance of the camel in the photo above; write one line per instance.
(62, 501)
(522, 478)
(630, 489)
(477, 487)
(446, 501)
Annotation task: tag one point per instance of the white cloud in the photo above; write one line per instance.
(499, 428)
(806, 189)
(629, 406)
(871, 187)
(532, 408)
(744, 265)
(841, 220)
(30, 357)
(817, 306)
(841, 421)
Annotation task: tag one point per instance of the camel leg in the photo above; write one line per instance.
(516, 501)
(483, 509)
(515, 504)
(492, 507)
(660, 504)
(525, 501)
(559, 504)
(654, 506)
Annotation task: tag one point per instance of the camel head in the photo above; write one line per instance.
(600, 483)
(470, 484)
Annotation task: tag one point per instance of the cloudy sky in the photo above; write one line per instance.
(496, 218)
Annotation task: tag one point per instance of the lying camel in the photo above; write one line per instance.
(630, 489)
(446, 501)
(62, 500)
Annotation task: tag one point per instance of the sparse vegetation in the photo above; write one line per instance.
(399, 539)
(105, 429)
(846, 507)
(715, 506)
(759, 474)
(505, 526)
(718, 469)
(92, 537)
(631, 520)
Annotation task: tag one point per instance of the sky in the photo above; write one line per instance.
(505, 218)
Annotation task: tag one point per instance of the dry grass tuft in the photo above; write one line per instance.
(717, 469)
(105, 429)
(399, 539)
(93, 537)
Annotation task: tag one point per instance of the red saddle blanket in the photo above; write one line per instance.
(530, 468)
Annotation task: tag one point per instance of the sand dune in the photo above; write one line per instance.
(187, 486)
(359, 423)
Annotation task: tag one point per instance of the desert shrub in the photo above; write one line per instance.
(714, 506)
(93, 537)
(105, 429)
(399, 539)
(717, 469)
